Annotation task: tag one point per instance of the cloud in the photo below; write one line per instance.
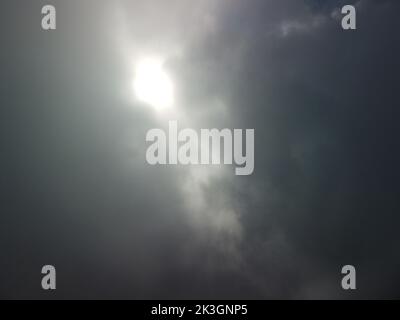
(78, 193)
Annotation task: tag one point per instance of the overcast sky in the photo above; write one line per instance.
(77, 193)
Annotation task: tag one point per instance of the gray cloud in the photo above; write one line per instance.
(78, 194)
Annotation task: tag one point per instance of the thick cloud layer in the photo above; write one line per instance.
(78, 194)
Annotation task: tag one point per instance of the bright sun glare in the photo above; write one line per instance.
(152, 84)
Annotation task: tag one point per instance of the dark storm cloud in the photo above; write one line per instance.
(325, 143)
(77, 193)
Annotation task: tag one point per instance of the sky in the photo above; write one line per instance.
(78, 194)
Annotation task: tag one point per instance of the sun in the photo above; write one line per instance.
(152, 85)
